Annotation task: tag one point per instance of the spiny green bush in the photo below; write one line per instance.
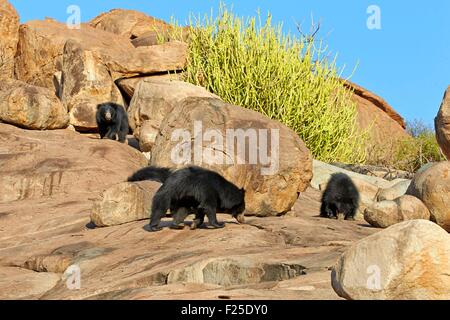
(422, 148)
(254, 65)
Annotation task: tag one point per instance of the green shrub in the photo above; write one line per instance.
(254, 65)
(422, 148)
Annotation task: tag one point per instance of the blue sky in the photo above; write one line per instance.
(407, 62)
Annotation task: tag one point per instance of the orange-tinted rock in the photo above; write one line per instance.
(9, 36)
(442, 125)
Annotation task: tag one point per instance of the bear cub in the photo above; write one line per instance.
(340, 197)
(192, 190)
(112, 121)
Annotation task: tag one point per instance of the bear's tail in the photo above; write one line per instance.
(151, 173)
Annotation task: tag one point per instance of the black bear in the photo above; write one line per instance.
(340, 197)
(112, 121)
(192, 190)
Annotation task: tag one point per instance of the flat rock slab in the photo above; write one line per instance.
(290, 256)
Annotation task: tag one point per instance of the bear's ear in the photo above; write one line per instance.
(243, 191)
(99, 106)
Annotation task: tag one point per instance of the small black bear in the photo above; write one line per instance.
(340, 197)
(112, 121)
(192, 190)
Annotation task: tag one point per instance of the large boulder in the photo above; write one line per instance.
(263, 156)
(123, 203)
(128, 23)
(9, 36)
(387, 213)
(432, 186)
(442, 125)
(45, 164)
(30, 107)
(386, 127)
(128, 85)
(153, 101)
(406, 261)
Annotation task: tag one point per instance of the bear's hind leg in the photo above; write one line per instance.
(160, 205)
(179, 214)
(350, 216)
(199, 219)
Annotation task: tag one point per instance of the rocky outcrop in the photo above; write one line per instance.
(387, 213)
(260, 155)
(405, 261)
(81, 66)
(153, 102)
(41, 48)
(30, 107)
(123, 203)
(40, 239)
(9, 36)
(44, 164)
(128, 23)
(432, 186)
(442, 125)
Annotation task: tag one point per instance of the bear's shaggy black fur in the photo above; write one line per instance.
(112, 121)
(340, 197)
(192, 190)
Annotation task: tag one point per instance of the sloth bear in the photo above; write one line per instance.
(112, 121)
(192, 190)
(340, 197)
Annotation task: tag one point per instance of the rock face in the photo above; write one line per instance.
(153, 101)
(44, 164)
(87, 83)
(30, 107)
(9, 36)
(387, 213)
(81, 66)
(128, 23)
(405, 261)
(40, 239)
(123, 203)
(260, 155)
(385, 124)
(432, 186)
(25, 284)
(41, 47)
(442, 125)
(129, 85)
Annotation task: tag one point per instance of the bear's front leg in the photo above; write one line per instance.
(212, 218)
